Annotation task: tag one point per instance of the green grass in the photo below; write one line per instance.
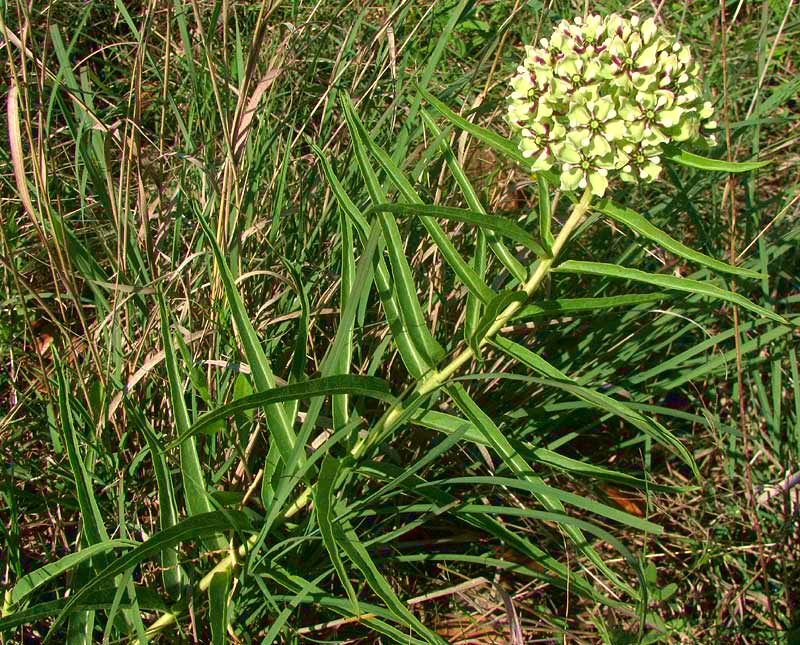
(295, 350)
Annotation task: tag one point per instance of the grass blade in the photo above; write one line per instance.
(94, 529)
(279, 425)
(195, 495)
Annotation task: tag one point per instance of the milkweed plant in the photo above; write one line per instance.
(601, 99)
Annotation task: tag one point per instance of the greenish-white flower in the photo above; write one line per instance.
(602, 96)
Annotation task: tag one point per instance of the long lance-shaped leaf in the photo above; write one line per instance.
(520, 467)
(639, 223)
(559, 380)
(451, 255)
(347, 539)
(341, 348)
(495, 141)
(545, 215)
(489, 317)
(299, 351)
(98, 599)
(506, 257)
(567, 306)
(308, 591)
(493, 223)
(359, 288)
(195, 495)
(29, 583)
(279, 425)
(342, 362)
(410, 308)
(578, 501)
(218, 606)
(560, 575)
(449, 424)
(667, 282)
(673, 153)
(174, 577)
(353, 384)
(474, 307)
(325, 501)
(413, 359)
(195, 527)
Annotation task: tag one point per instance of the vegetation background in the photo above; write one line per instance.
(176, 169)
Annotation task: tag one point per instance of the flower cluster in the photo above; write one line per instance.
(605, 94)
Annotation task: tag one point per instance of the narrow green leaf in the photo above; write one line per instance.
(404, 287)
(667, 282)
(479, 219)
(352, 384)
(684, 158)
(218, 606)
(578, 501)
(300, 350)
(192, 528)
(505, 256)
(520, 467)
(545, 215)
(413, 359)
(453, 258)
(495, 141)
(175, 581)
(325, 500)
(449, 424)
(556, 378)
(568, 306)
(639, 223)
(35, 579)
(278, 424)
(341, 363)
(195, 495)
(490, 314)
(359, 556)
(99, 599)
(92, 520)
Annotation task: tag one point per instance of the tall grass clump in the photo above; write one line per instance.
(445, 322)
